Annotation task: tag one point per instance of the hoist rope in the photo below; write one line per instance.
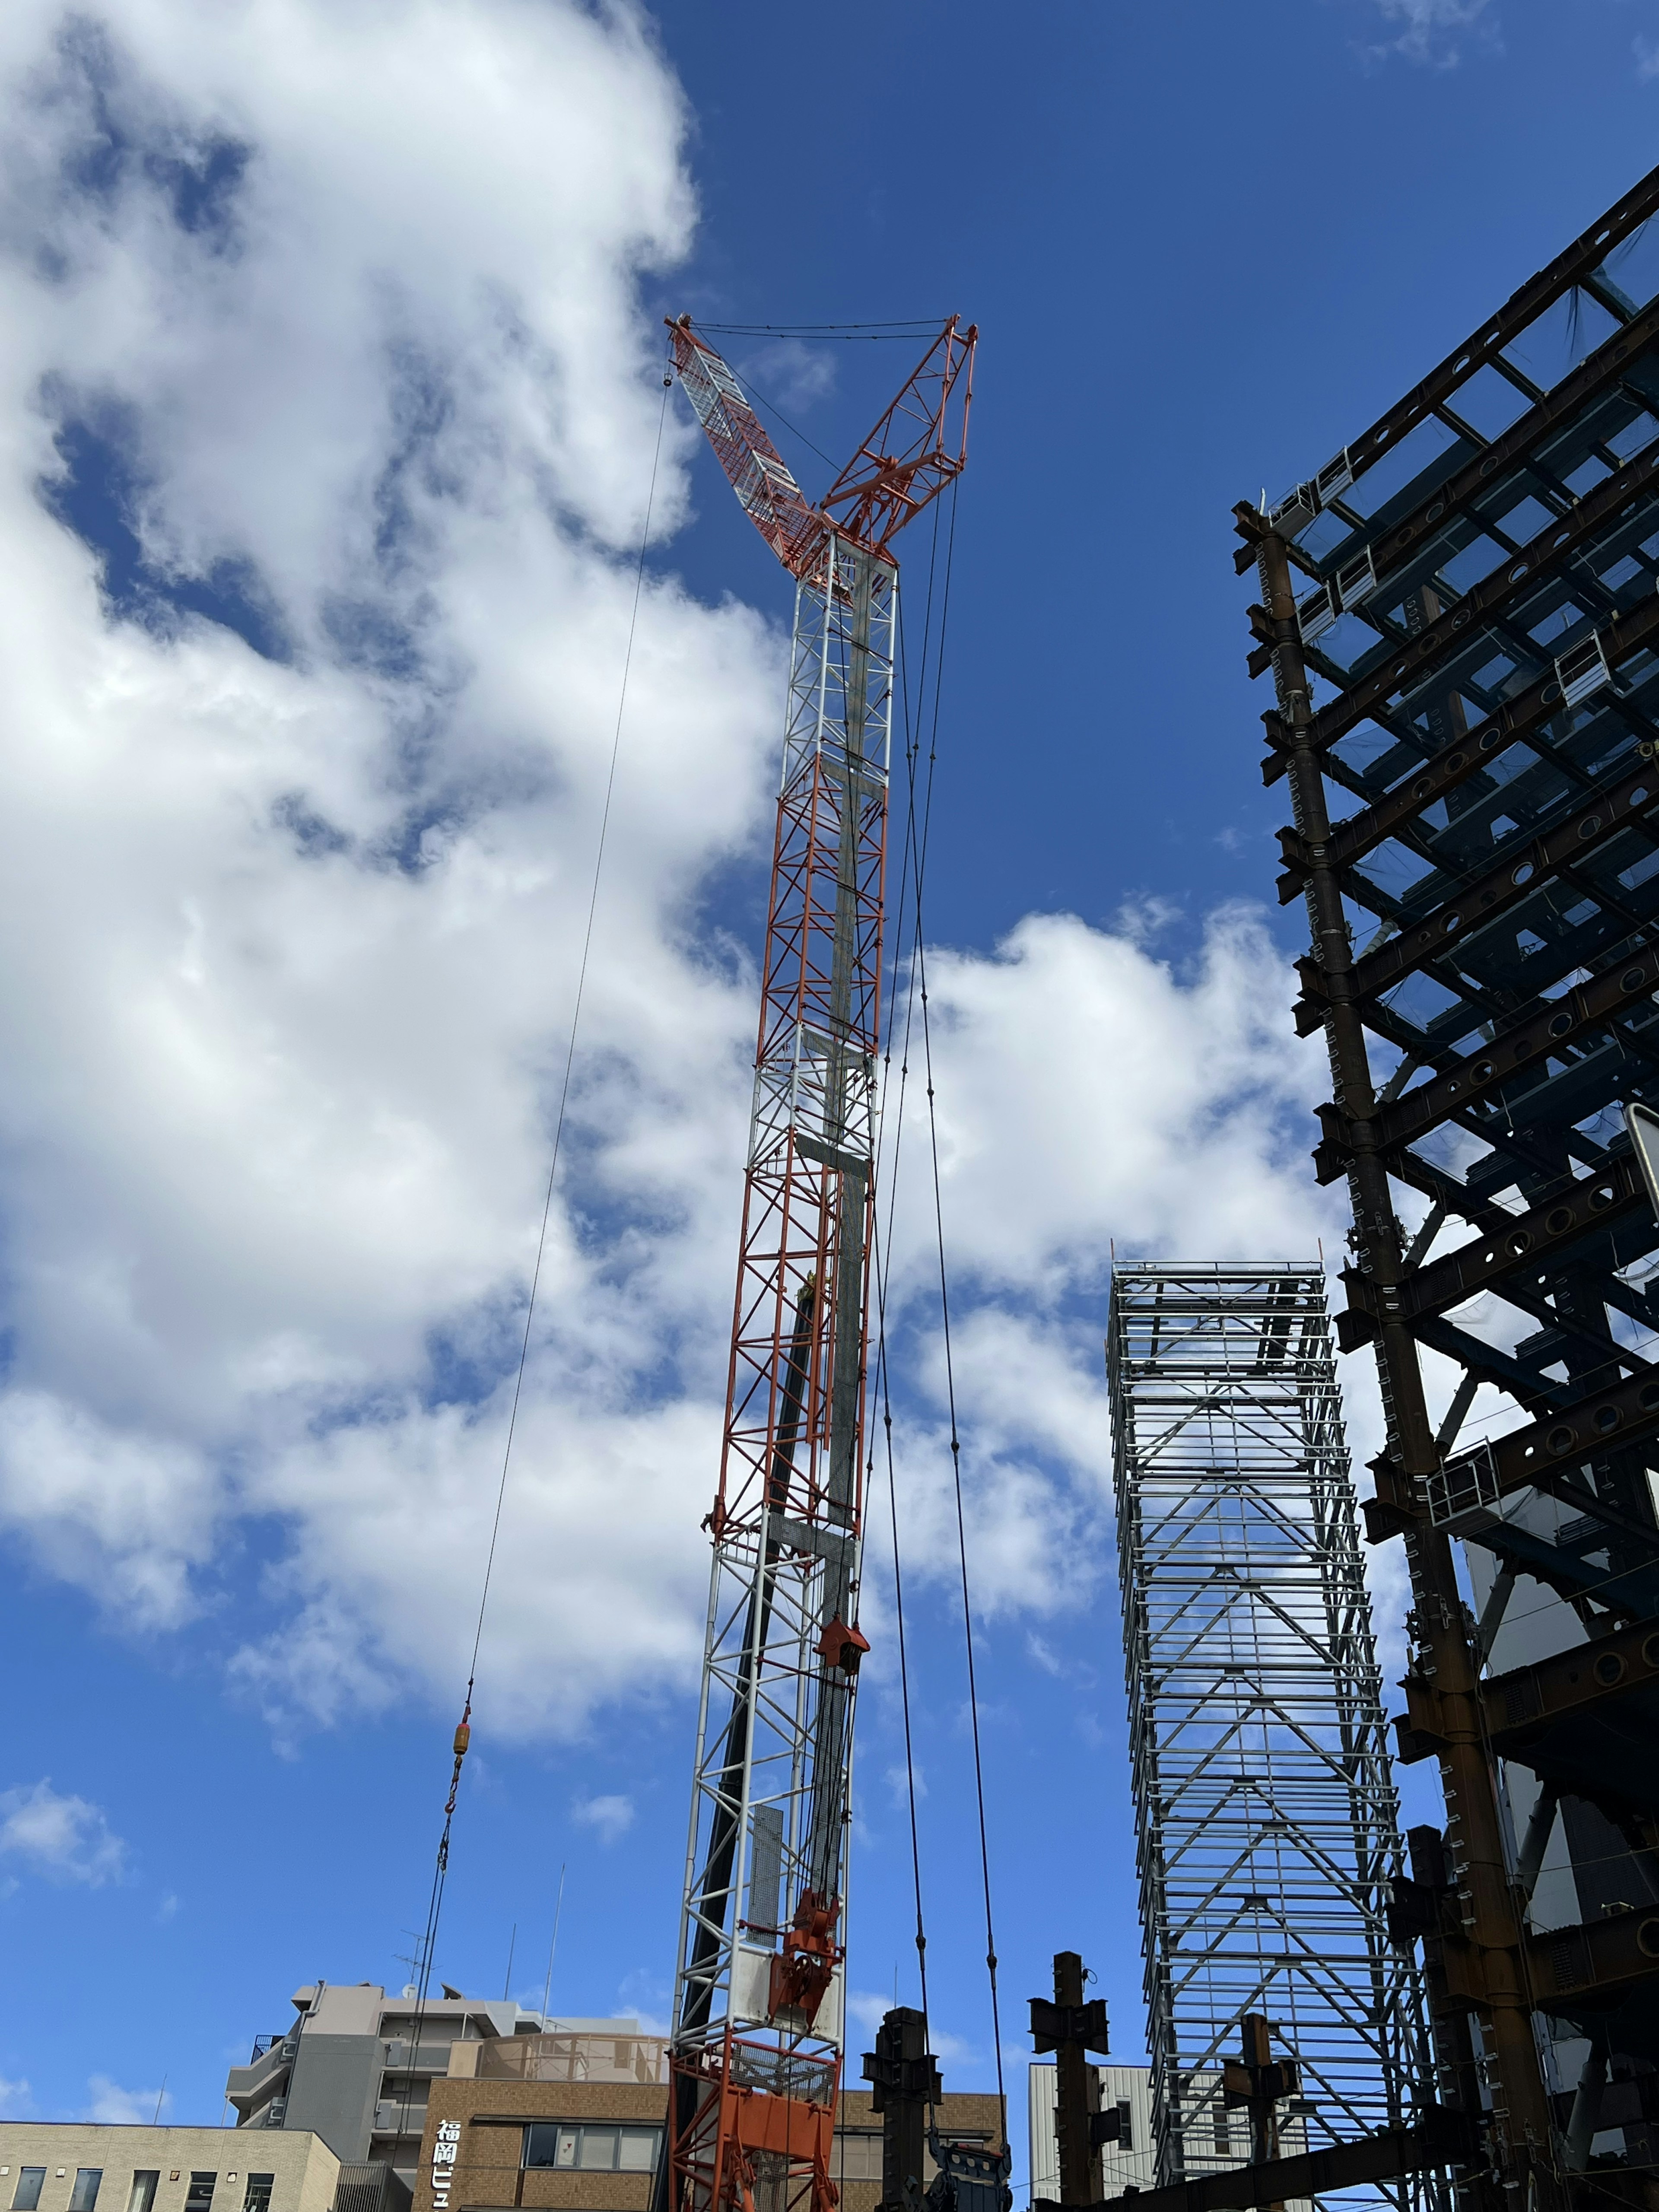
(463, 1732)
(921, 959)
(918, 824)
(883, 1247)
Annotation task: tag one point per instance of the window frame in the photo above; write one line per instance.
(19, 2203)
(83, 2197)
(581, 2129)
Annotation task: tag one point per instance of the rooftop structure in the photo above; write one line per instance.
(1460, 614)
(1268, 1820)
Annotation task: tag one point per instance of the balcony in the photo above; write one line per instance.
(247, 2088)
(391, 2119)
(402, 2057)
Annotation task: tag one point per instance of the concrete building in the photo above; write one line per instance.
(349, 2069)
(1130, 2162)
(51, 2166)
(966, 2117)
(574, 2121)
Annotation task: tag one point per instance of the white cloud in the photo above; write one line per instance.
(1089, 1092)
(16, 2099)
(1430, 31)
(291, 942)
(1647, 56)
(66, 1837)
(609, 1818)
(112, 2106)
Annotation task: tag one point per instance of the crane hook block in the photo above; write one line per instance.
(843, 1646)
(463, 1737)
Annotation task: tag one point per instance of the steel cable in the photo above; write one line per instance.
(435, 1904)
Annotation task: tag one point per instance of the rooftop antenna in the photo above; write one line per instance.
(512, 1945)
(160, 2093)
(557, 1910)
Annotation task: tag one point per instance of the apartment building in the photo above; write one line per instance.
(350, 2070)
(74, 2165)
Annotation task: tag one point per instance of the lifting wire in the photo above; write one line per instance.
(463, 1730)
(914, 869)
(881, 1248)
(919, 945)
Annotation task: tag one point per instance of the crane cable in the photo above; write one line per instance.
(916, 843)
(881, 1248)
(921, 955)
(463, 1729)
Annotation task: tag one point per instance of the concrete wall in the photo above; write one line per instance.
(305, 2168)
(333, 2088)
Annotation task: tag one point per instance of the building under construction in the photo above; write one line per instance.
(1267, 1831)
(1459, 614)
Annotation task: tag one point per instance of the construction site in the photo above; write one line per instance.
(1456, 613)
(1399, 1936)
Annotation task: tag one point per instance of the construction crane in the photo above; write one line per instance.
(758, 2001)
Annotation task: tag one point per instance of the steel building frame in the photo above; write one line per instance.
(1461, 618)
(1268, 1837)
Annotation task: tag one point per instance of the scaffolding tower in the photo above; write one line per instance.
(1268, 1828)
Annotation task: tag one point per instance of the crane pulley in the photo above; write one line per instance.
(757, 2026)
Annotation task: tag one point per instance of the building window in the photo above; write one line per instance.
(27, 2193)
(198, 2197)
(1224, 2131)
(583, 2150)
(857, 2156)
(84, 2197)
(141, 2196)
(1125, 2134)
(257, 2198)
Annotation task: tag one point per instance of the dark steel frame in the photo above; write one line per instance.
(1466, 663)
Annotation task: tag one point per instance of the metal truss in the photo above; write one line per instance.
(1460, 613)
(1268, 1826)
(758, 2001)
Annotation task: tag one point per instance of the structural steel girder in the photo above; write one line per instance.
(1465, 656)
(1442, 2139)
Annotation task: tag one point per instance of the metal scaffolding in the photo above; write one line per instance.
(1268, 1829)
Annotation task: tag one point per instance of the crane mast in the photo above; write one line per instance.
(758, 2002)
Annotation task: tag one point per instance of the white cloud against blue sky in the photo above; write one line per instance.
(330, 381)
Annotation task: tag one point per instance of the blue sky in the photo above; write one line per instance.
(302, 765)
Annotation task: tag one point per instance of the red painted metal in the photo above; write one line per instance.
(919, 446)
(753, 2120)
